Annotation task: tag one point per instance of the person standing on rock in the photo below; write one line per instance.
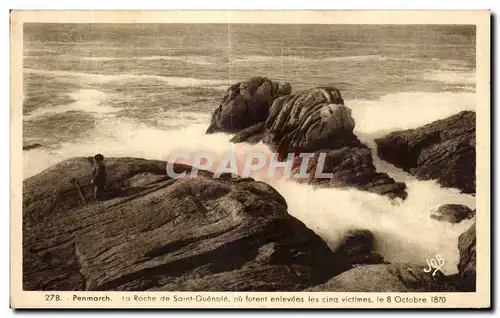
(99, 177)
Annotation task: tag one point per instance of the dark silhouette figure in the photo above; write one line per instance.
(99, 177)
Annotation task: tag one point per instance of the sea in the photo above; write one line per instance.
(148, 90)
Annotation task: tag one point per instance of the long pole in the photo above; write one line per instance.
(80, 192)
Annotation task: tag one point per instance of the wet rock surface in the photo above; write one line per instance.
(387, 278)
(356, 248)
(246, 104)
(195, 234)
(32, 146)
(251, 135)
(467, 263)
(444, 150)
(453, 213)
(307, 121)
(316, 121)
(163, 234)
(350, 167)
(233, 234)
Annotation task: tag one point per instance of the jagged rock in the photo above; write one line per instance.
(467, 263)
(356, 247)
(308, 121)
(246, 104)
(316, 121)
(444, 150)
(32, 146)
(252, 134)
(351, 167)
(387, 278)
(453, 213)
(157, 233)
(58, 182)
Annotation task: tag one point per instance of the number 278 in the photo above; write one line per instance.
(52, 297)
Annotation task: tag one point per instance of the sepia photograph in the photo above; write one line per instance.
(251, 157)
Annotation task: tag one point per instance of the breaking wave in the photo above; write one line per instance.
(403, 230)
(94, 78)
(295, 59)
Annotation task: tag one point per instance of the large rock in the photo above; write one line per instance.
(356, 247)
(467, 263)
(157, 233)
(308, 121)
(251, 135)
(453, 213)
(387, 278)
(316, 121)
(350, 166)
(57, 184)
(444, 150)
(246, 104)
(32, 146)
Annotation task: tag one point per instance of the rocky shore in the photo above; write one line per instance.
(200, 233)
(316, 121)
(444, 150)
(157, 233)
(163, 234)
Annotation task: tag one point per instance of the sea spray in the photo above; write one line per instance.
(403, 230)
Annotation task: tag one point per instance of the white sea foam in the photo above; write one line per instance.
(94, 78)
(191, 59)
(295, 59)
(451, 64)
(407, 110)
(86, 100)
(452, 77)
(180, 118)
(404, 231)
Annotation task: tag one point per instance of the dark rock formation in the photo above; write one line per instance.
(316, 121)
(467, 263)
(156, 233)
(444, 150)
(58, 182)
(387, 278)
(246, 104)
(453, 213)
(356, 248)
(32, 146)
(308, 121)
(252, 134)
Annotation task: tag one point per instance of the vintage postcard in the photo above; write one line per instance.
(250, 159)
